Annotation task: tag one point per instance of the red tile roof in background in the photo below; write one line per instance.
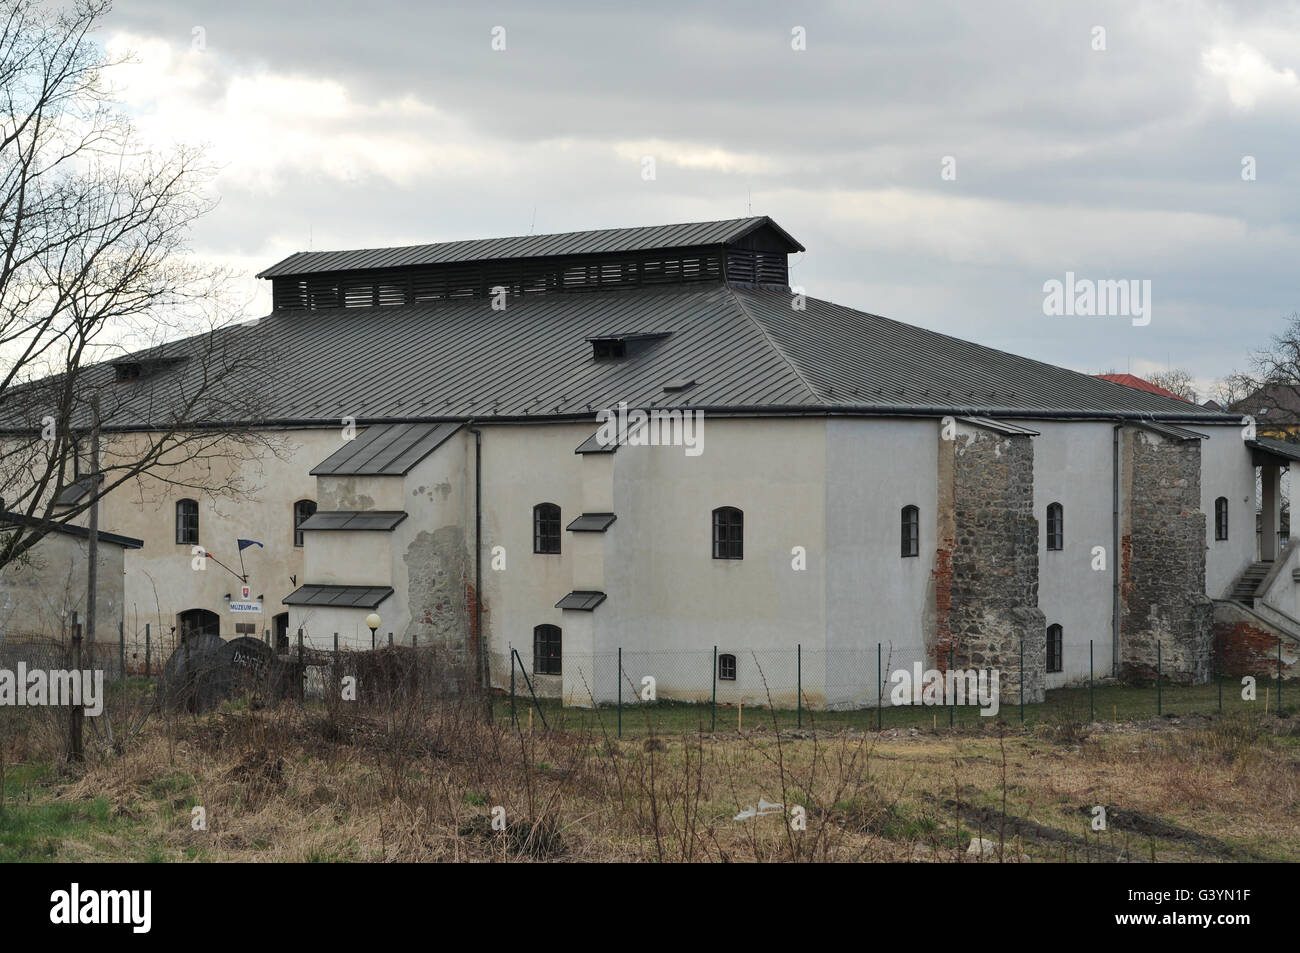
(1129, 380)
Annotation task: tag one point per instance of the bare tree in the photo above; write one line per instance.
(1177, 381)
(1270, 390)
(99, 294)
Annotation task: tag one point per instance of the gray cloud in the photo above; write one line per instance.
(1120, 164)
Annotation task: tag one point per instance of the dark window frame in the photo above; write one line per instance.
(547, 529)
(187, 519)
(1055, 527)
(728, 533)
(548, 649)
(910, 531)
(300, 516)
(1055, 656)
(726, 664)
(1221, 519)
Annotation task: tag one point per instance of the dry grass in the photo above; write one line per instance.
(419, 782)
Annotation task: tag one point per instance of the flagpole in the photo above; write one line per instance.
(243, 574)
(223, 565)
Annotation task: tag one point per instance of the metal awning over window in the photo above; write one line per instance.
(592, 523)
(1181, 434)
(584, 600)
(341, 597)
(353, 519)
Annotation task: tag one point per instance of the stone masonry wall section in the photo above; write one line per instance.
(992, 589)
(1162, 583)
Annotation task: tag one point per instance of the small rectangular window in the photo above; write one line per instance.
(546, 528)
(302, 511)
(546, 650)
(911, 525)
(727, 668)
(1054, 648)
(1221, 518)
(728, 533)
(187, 522)
(1055, 527)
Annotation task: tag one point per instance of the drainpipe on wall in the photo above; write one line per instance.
(481, 663)
(1115, 554)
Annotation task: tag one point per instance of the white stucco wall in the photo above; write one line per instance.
(161, 582)
(1226, 470)
(523, 466)
(1073, 467)
(874, 468)
(437, 496)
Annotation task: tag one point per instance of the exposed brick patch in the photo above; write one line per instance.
(1248, 647)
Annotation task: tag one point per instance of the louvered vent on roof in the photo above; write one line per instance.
(748, 251)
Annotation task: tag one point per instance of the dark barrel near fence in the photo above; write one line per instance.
(205, 670)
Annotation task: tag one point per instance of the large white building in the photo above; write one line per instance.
(854, 481)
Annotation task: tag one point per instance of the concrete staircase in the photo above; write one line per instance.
(1247, 584)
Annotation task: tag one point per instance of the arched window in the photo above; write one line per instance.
(728, 533)
(546, 650)
(727, 668)
(911, 531)
(302, 511)
(187, 521)
(1221, 518)
(1054, 648)
(546, 528)
(1055, 526)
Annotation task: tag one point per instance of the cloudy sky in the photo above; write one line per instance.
(1111, 140)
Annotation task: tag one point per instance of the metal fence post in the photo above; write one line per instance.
(302, 669)
(1022, 681)
(798, 669)
(147, 647)
(620, 691)
(1092, 701)
(121, 650)
(336, 641)
(514, 718)
(1218, 664)
(1159, 699)
(713, 705)
(1279, 675)
(75, 752)
(880, 693)
(390, 640)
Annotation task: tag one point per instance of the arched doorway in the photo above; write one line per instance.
(198, 622)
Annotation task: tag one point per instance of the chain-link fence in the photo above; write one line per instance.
(882, 687)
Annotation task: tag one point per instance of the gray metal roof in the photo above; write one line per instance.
(353, 520)
(852, 359)
(386, 450)
(67, 529)
(592, 523)
(748, 351)
(599, 241)
(339, 597)
(74, 492)
(583, 600)
(1279, 448)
